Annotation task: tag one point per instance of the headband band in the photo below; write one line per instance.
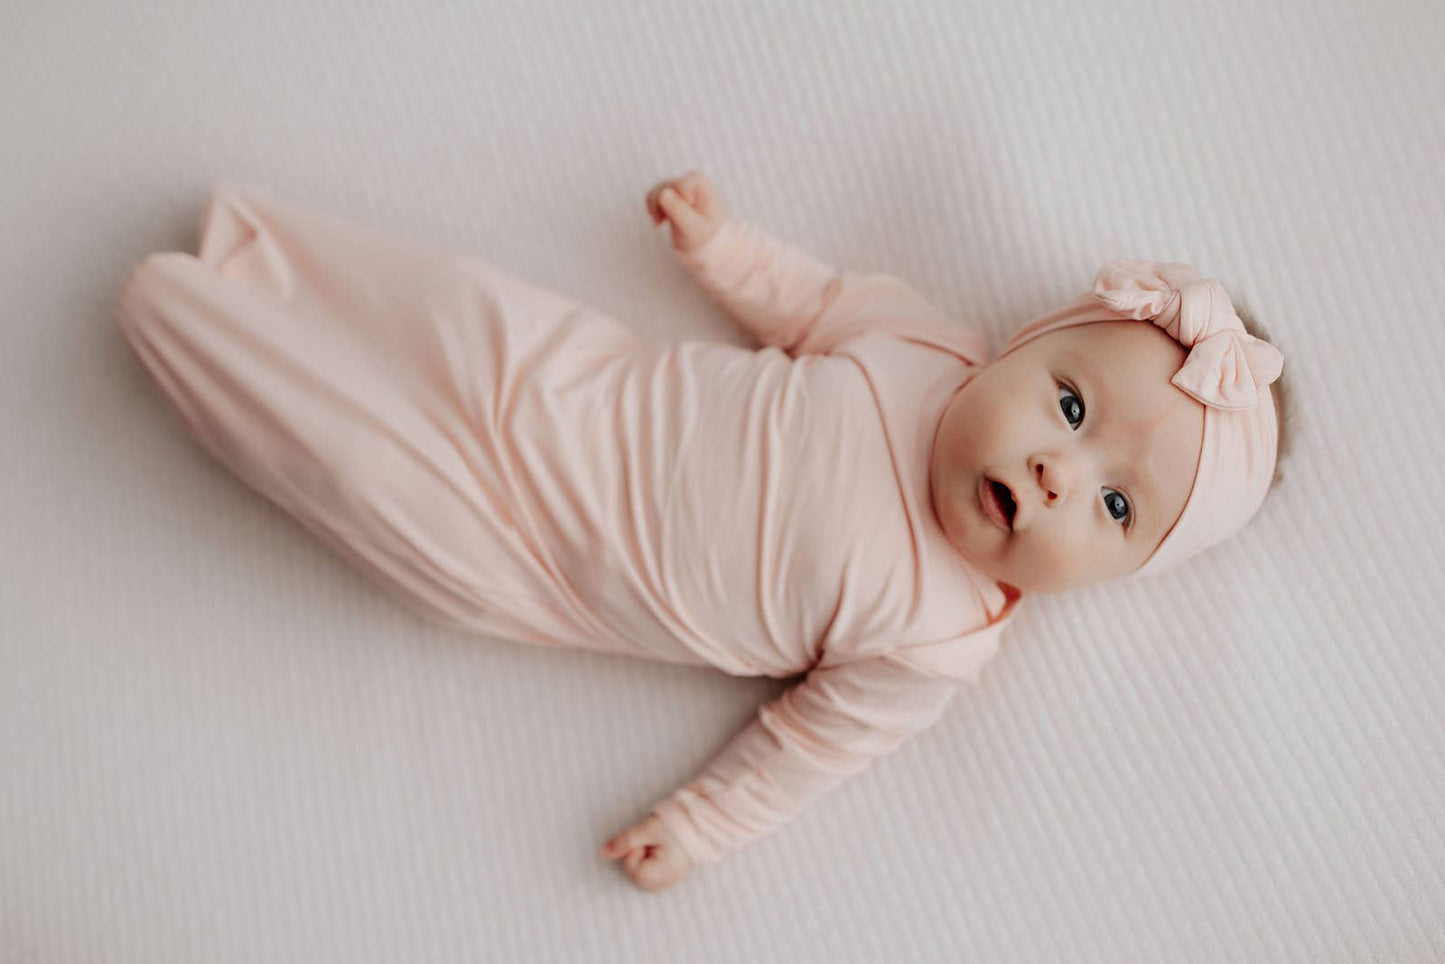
(1227, 370)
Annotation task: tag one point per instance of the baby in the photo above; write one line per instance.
(861, 502)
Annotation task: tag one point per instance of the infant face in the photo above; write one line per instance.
(1098, 451)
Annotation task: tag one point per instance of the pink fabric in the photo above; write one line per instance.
(515, 463)
(1227, 370)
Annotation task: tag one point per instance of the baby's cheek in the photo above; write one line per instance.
(1054, 563)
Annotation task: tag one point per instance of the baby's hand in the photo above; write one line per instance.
(650, 854)
(691, 205)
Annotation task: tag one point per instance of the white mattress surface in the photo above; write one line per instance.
(219, 743)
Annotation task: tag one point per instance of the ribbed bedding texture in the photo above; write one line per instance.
(219, 742)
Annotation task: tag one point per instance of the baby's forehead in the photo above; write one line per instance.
(1124, 372)
(1130, 359)
(1140, 336)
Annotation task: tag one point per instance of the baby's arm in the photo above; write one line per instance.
(781, 294)
(833, 724)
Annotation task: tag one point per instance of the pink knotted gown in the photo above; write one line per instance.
(514, 463)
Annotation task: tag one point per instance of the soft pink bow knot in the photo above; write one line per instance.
(1143, 290)
(1226, 366)
(1227, 369)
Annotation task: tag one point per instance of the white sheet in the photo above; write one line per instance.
(222, 744)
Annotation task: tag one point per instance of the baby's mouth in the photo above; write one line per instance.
(999, 503)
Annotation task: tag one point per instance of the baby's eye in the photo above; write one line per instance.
(1115, 501)
(1075, 403)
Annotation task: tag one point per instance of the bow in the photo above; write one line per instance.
(1227, 366)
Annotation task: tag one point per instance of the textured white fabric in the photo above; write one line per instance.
(220, 743)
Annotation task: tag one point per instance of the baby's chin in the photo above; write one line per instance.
(985, 563)
(1019, 575)
(1005, 575)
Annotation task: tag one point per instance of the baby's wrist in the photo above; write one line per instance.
(702, 248)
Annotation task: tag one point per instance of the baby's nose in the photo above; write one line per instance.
(1055, 476)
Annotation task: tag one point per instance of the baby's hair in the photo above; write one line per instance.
(1283, 407)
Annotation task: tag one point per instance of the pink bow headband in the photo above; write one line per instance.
(1228, 370)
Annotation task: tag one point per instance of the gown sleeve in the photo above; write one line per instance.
(831, 725)
(788, 299)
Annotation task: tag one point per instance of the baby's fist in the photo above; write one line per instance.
(650, 854)
(692, 205)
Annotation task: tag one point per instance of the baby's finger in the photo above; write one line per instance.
(682, 213)
(693, 185)
(653, 208)
(626, 840)
(669, 197)
(700, 193)
(654, 195)
(652, 876)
